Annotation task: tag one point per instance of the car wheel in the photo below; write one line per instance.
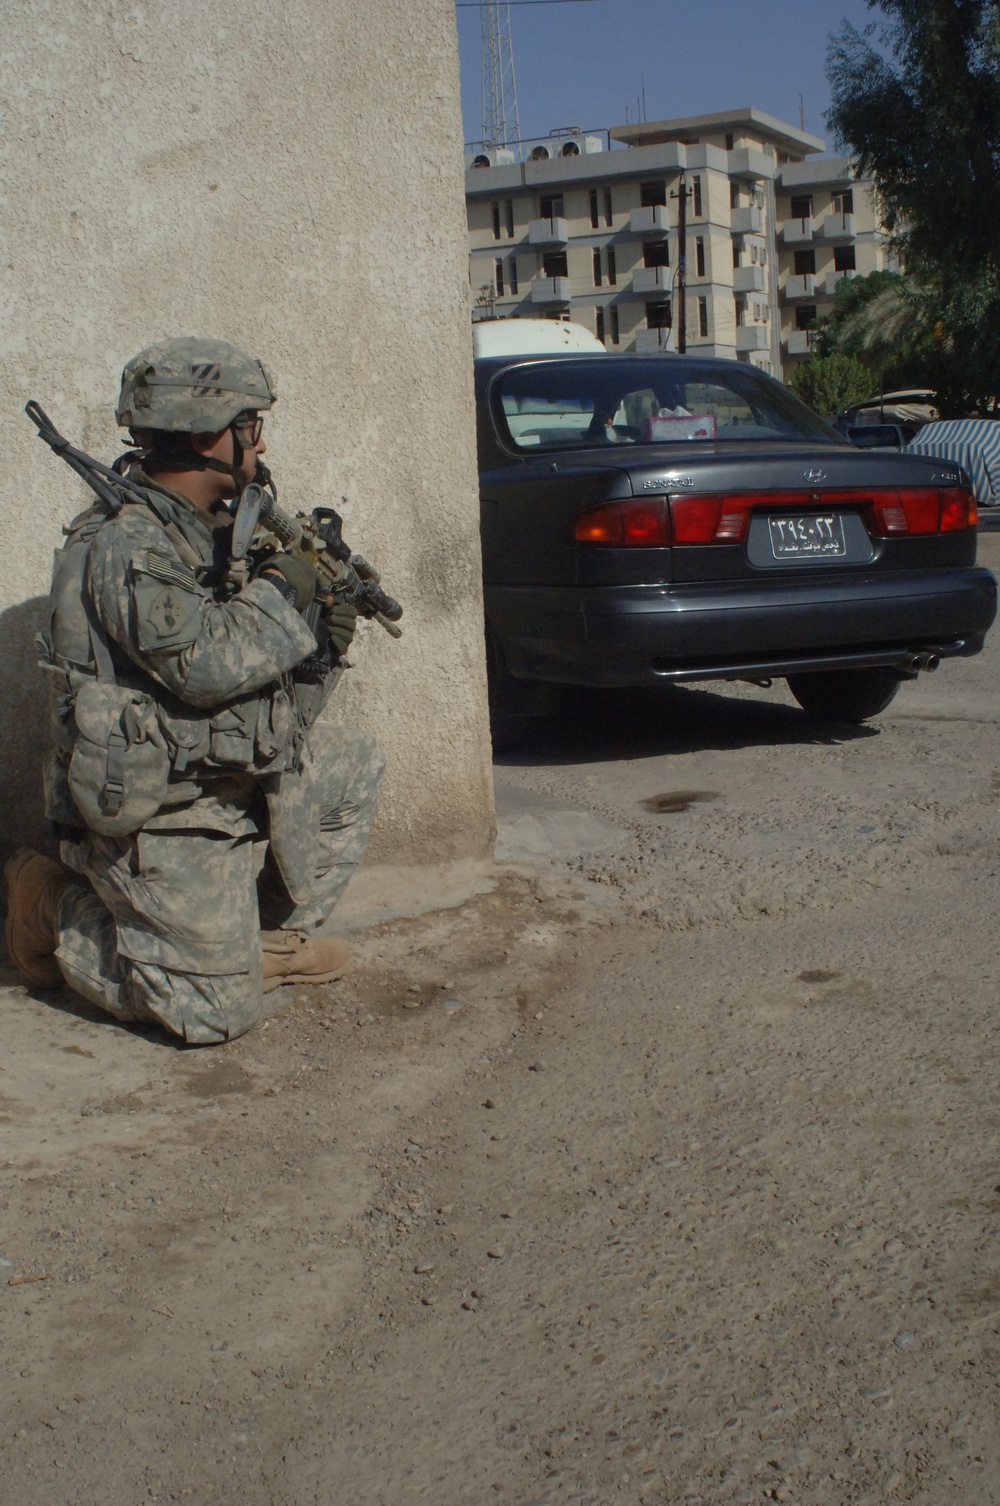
(516, 706)
(508, 732)
(844, 695)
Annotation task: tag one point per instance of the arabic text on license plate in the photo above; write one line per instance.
(818, 535)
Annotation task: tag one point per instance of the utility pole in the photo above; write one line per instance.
(681, 195)
(501, 125)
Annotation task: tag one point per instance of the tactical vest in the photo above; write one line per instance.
(119, 738)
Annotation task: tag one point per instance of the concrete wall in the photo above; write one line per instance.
(288, 177)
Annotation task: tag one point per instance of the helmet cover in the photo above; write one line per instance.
(189, 385)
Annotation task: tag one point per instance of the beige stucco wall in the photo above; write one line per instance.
(288, 177)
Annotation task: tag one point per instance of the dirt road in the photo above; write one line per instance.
(665, 1172)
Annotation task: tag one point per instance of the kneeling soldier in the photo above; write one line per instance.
(208, 824)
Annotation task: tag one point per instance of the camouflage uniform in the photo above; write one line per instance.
(257, 818)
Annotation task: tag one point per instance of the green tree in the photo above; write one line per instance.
(916, 101)
(829, 384)
(892, 325)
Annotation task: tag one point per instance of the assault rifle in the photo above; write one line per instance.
(345, 576)
(110, 485)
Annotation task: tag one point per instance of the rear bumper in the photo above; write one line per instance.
(637, 635)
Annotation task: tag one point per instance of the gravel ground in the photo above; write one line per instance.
(662, 1173)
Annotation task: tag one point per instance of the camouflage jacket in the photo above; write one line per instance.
(215, 666)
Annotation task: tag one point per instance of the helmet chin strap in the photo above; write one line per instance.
(180, 454)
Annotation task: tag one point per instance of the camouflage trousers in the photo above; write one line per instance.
(167, 930)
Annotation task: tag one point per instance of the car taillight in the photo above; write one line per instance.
(724, 518)
(923, 509)
(709, 519)
(637, 522)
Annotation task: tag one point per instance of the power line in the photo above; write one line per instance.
(485, 4)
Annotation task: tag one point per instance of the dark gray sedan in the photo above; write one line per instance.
(672, 519)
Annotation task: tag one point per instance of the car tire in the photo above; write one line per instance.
(508, 732)
(515, 706)
(844, 695)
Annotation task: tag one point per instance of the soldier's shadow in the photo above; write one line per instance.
(24, 732)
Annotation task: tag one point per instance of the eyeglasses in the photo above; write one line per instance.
(251, 427)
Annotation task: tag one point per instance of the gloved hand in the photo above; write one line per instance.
(298, 572)
(341, 620)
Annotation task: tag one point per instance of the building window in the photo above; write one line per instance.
(734, 195)
(737, 254)
(655, 254)
(597, 267)
(802, 206)
(703, 316)
(509, 215)
(554, 264)
(653, 193)
(496, 219)
(696, 197)
(612, 267)
(843, 259)
(498, 276)
(550, 207)
(729, 141)
(658, 315)
(513, 276)
(844, 203)
(599, 323)
(740, 309)
(608, 216)
(699, 255)
(804, 315)
(615, 331)
(805, 263)
(594, 210)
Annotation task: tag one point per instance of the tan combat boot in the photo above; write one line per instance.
(35, 885)
(290, 957)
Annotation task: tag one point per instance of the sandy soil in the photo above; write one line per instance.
(666, 1173)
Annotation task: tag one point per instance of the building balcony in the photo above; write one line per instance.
(748, 162)
(547, 232)
(832, 279)
(838, 227)
(746, 221)
(650, 342)
(653, 220)
(801, 287)
(752, 337)
(798, 342)
(795, 231)
(748, 279)
(651, 280)
(550, 290)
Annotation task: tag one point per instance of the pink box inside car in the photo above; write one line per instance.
(664, 426)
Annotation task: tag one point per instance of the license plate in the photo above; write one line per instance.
(818, 535)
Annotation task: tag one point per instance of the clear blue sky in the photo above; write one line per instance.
(585, 63)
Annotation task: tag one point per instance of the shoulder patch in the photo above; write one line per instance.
(164, 567)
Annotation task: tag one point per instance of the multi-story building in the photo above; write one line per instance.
(581, 231)
(829, 230)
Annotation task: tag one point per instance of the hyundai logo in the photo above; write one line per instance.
(814, 475)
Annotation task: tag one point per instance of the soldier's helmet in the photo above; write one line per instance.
(191, 386)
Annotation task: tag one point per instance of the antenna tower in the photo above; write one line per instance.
(501, 126)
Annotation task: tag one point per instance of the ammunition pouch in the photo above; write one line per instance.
(120, 764)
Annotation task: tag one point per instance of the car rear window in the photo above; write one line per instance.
(570, 405)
